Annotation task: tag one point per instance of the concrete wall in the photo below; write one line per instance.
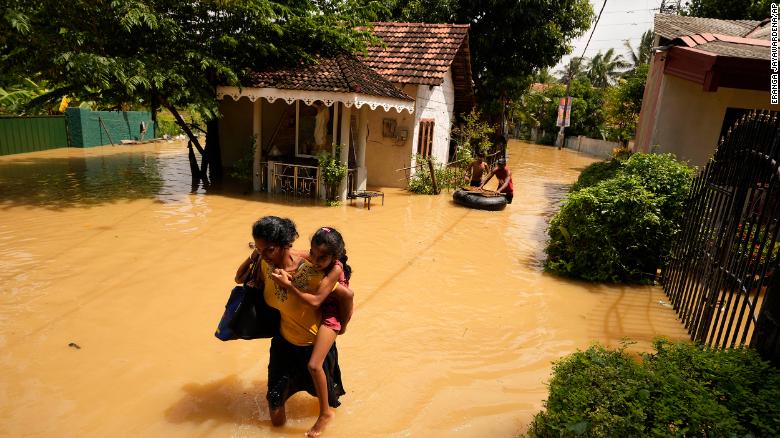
(688, 120)
(85, 128)
(650, 101)
(386, 154)
(235, 129)
(436, 103)
(591, 146)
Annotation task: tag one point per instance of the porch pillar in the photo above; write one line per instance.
(257, 117)
(344, 155)
(360, 149)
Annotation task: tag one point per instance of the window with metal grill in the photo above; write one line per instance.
(425, 138)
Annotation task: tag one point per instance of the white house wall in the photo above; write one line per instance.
(386, 154)
(689, 121)
(437, 103)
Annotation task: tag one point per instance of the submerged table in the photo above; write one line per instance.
(366, 195)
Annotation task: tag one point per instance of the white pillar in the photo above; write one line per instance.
(360, 149)
(344, 156)
(257, 117)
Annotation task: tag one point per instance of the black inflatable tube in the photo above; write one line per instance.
(472, 200)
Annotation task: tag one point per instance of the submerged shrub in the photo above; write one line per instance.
(447, 177)
(619, 222)
(595, 173)
(680, 390)
(667, 178)
(607, 232)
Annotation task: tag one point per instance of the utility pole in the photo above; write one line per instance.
(561, 139)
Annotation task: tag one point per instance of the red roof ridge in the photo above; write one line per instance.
(694, 40)
(758, 27)
(404, 23)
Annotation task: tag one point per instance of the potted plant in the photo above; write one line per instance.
(333, 172)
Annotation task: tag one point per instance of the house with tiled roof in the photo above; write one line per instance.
(397, 100)
(703, 73)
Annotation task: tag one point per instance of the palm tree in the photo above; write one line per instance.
(643, 52)
(572, 70)
(605, 68)
(543, 76)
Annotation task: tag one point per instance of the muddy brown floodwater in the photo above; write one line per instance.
(113, 276)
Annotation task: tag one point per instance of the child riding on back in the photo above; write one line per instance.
(335, 298)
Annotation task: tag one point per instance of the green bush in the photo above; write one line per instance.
(169, 127)
(680, 390)
(667, 178)
(619, 222)
(607, 232)
(595, 173)
(447, 178)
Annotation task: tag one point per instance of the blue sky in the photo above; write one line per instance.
(621, 20)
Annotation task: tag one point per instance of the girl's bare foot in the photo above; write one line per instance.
(320, 424)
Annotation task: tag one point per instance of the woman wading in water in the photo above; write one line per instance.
(291, 350)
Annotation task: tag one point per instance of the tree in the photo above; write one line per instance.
(623, 102)
(509, 39)
(575, 69)
(728, 9)
(169, 52)
(14, 97)
(643, 52)
(605, 68)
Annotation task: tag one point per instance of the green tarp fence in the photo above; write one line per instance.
(30, 134)
(77, 128)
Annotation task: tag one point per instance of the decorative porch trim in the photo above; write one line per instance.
(309, 97)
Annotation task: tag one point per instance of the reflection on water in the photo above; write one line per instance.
(455, 328)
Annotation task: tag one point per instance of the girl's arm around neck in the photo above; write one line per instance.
(314, 298)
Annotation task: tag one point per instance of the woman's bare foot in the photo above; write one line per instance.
(320, 424)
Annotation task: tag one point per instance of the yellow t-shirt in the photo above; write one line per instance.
(299, 320)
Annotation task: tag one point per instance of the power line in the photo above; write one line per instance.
(560, 138)
(631, 11)
(592, 31)
(633, 23)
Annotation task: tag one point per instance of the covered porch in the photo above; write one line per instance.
(287, 118)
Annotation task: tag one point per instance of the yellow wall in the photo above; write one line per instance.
(384, 155)
(689, 119)
(235, 128)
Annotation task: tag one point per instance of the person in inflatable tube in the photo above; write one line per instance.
(291, 350)
(504, 176)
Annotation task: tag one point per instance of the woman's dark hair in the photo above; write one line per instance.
(334, 243)
(275, 230)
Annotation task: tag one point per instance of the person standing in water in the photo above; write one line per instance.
(333, 296)
(504, 175)
(292, 348)
(477, 169)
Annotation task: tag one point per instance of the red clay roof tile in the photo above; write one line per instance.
(343, 74)
(415, 53)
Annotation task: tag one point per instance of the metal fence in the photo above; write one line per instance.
(30, 134)
(721, 279)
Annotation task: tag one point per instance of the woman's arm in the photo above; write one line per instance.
(243, 269)
(314, 298)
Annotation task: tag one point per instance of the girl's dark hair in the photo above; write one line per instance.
(334, 243)
(275, 230)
